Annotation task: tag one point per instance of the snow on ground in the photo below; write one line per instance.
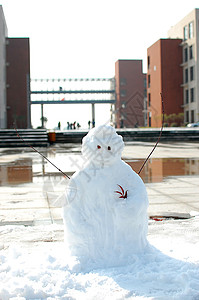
(36, 269)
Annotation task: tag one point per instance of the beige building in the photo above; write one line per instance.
(3, 35)
(188, 30)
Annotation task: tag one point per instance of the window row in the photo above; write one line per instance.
(189, 95)
(123, 81)
(188, 74)
(188, 53)
(190, 116)
(149, 81)
(188, 31)
(149, 99)
(123, 93)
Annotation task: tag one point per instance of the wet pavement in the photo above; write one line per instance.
(32, 190)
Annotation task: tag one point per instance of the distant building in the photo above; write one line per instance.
(130, 94)
(14, 79)
(188, 30)
(3, 35)
(164, 75)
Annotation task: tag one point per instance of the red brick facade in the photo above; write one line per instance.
(164, 76)
(18, 71)
(129, 93)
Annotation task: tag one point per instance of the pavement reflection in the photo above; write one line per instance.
(32, 190)
(23, 170)
(18, 172)
(157, 169)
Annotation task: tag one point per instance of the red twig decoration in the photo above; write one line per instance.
(122, 193)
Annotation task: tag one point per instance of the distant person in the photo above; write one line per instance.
(93, 123)
(59, 125)
(68, 125)
(89, 124)
(74, 125)
(78, 125)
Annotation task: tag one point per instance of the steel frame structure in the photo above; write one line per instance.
(87, 92)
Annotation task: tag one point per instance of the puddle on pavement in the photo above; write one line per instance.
(156, 170)
(17, 172)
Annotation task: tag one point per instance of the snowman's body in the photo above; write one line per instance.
(100, 227)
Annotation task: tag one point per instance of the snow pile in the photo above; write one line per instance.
(45, 273)
(106, 216)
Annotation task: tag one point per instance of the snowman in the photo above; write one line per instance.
(105, 216)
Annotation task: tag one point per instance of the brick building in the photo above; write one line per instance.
(164, 75)
(17, 77)
(130, 93)
(14, 72)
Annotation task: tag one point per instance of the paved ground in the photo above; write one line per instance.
(34, 203)
(29, 205)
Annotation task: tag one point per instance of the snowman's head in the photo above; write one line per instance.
(102, 145)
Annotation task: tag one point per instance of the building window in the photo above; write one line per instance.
(149, 81)
(123, 93)
(185, 29)
(191, 52)
(149, 99)
(123, 104)
(192, 116)
(187, 116)
(145, 84)
(186, 78)
(191, 73)
(192, 94)
(145, 88)
(148, 60)
(150, 115)
(123, 81)
(191, 30)
(185, 54)
(186, 96)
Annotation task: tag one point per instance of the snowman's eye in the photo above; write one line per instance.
(98, 147)
(109, 148)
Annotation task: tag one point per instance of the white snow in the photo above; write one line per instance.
(170, 270)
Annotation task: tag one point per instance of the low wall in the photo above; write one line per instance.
(145, 134)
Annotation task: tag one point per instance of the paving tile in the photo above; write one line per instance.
(194, 205)
(186, 198)
(169, 207)
(161, 199)
(56, 213)
(194, 180)
(152, 191)
(29, 202)
(14, 215)
(177, 190)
